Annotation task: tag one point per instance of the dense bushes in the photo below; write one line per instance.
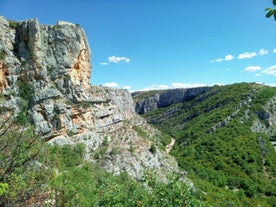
(59, 174)
(85, 184)
(228, 162)
(22, 164)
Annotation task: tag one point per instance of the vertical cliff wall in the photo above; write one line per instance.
(151, 100)
(45, 79)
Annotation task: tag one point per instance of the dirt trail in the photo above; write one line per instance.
(170, 146)
(264, 169)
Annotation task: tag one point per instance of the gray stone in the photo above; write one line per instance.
(43, 128)
(47, 93)
(61, 140)
(164, 98)
(54, 62)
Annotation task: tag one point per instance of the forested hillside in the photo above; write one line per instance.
(223, 141)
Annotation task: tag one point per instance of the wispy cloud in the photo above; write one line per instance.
(111, 84)
(274, 51)
(173, 85)
(155, 87)
(252, 68)
(115, 59)
(247, 55)
(116, 85)
(271, 84)
(104, 63)
(187, 85)
(217, 60)
(226, 58)
(270, 70)
(127, 87)
(263, 52)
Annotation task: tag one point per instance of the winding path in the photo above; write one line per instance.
(170, 146)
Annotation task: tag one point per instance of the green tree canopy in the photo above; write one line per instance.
(271, 12)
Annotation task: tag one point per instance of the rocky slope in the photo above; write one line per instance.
(149, 101)
(45, 79)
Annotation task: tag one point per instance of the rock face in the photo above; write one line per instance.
(266, 122)
(164, 98)
(45, 77)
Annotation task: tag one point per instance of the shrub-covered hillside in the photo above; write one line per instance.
(223, 141)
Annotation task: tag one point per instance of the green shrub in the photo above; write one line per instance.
(13, 24)
(152, 149)
(140, 131)
(21, 174)
(2, 55)
(25, 90)
(114, 151)
(3, 188)
(68, 155)
(67, 77)
(105, 141)
(86, 184)
(131, 149)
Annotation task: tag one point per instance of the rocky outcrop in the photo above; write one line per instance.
(266, 121)
(45, 78)
(149, 101)
(245, 103)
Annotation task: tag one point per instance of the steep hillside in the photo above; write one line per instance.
(45, 80)
(223, 139)
(65, 142)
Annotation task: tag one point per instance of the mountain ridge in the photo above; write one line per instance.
(224, 140)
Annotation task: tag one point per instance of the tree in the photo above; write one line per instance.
(22, 169)
(271, 11)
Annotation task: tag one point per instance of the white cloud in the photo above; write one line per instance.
(216, 60)
(228, 57)
(187, 85)
(263, 52)
(258, 74)
(244, 55)
(247, 55)
(116, 85)
(173, 85)
(114, 59)
(252, 68)
(271, 84)
(127, 87)
(270, 70)
(111, 84)
(103, 63)
(274, 51)
(155, 87)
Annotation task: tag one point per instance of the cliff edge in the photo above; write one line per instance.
(45, 80)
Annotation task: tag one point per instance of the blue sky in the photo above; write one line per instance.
(156, 44)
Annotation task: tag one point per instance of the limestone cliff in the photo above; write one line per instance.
(45, 79)
(149, 101)
(266, 121)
